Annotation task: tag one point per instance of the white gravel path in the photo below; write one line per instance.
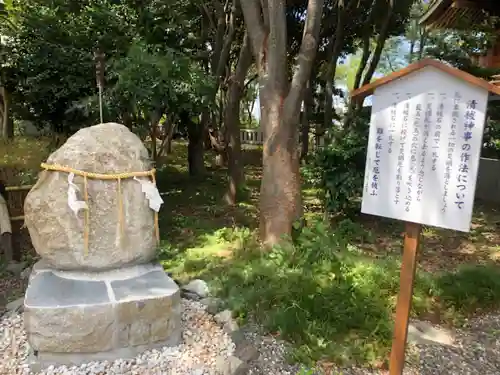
(204, 342)
(476, 350)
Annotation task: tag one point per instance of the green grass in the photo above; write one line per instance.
(23, 156)
(327, 295)
(324, 295)
(332, 294)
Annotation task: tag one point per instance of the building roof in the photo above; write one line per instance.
(459, 14)
(368, 89)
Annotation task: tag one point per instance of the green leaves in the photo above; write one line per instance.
(338, 170)
(146, 81)
(50, 54)
(52, 72)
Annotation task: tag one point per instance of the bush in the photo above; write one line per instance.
(470, 288)
(319, 294)
(491, 138)
(325, 296)
(338, 170)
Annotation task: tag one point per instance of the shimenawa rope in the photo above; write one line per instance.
(104, 176)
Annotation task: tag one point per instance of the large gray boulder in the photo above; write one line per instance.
(58, 233)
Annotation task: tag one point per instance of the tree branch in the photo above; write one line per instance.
(209, 16)
(226, 49)
(265, 13)
(219, 42)
(277, 45)
(307, 52)
(244, 62)
(382, 37)
(389, 61)
(366, 47)
(253, 78)
(253, 20)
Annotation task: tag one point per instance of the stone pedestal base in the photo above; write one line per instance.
(75, 317)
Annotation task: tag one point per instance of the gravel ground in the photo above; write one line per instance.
(204, 342)
(476, 350)
(10, 288)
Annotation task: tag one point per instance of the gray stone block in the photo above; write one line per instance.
(51, 290)
(151, 284)
(70, 318)
(146, 309)
(80, 329)
(42, 360)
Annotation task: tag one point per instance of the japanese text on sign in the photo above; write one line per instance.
(423, 150)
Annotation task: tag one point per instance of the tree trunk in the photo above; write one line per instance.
(7, 126)
(170, 135)
(127, 119)
(221, 159)
(281, 200)
(423, 37)
(252, 105)
(305, 120)
(225, 31)
(232, 123)
(412, 50)
(382, 37)
(304, 136)
(155, 118)
(196, 149)
(335, 48)
(367, 33)
(280, 194)
(328, 118)
(2, 112)
(154, 151)
(354, 107)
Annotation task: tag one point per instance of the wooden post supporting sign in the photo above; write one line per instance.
(422, 160)
(403, 307)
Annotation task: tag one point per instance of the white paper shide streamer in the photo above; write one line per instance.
(73, 202)
(152, 194)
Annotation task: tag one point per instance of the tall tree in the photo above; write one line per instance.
(401, 50)
(6, 27)
(386, 18)
(232, 121)
(280, 99)
(334, 50)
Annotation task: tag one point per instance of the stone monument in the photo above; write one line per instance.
(92, 216)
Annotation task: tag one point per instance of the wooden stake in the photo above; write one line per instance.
(403, 307)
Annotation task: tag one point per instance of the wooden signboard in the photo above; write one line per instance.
(422, 160)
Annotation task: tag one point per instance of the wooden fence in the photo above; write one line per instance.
(251, 137)
(16, 197)
(256, 137)
(16, 194)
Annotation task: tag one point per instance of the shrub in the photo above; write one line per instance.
(338, 169)
(318, 294)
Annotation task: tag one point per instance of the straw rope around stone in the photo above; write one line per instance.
(104, 176)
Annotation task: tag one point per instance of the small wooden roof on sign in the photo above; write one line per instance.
(459, 14)
(368, 89)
